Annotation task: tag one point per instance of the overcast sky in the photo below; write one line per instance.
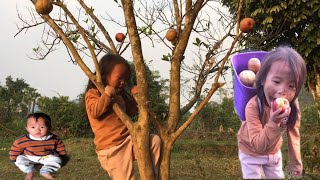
(55, 75)
(52, 76)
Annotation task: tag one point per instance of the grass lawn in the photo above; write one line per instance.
(191, 159)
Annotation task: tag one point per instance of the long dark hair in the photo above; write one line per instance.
(106, 65)
(298, 67)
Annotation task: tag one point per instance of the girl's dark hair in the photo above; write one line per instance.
(38, 115)
(106, 65)
(296, 64)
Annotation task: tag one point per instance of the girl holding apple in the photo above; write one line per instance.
(112, 139)
(281, 77)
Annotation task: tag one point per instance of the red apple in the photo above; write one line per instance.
(171, 34)
(247, 77)
(44, 7)
(254, 65)
(120, 37)
(246, 24)
(282, 103)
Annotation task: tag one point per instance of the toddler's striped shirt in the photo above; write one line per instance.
(26, 145)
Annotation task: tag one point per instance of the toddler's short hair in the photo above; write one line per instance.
(38, 115)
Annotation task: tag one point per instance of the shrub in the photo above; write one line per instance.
(214, 116)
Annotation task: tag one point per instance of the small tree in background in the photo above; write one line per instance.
(16, 99)
(67, 116)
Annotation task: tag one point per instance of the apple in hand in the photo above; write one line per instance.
(120, 37)
(282, 103)
(246, 24)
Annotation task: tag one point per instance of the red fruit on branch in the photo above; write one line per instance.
(43, 7)
(171, 34)
(246, 24)
(120, 37)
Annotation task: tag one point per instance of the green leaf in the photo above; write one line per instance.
(165, 58)
(275, 9)
(257, 11)
(318, 41)
(143, 29)
(93, 28)
(284, 5)
(267, 20)
(292, 25)
(198, 42)
(310, 27)
(91, 9)
(36, 49)
(75, 38)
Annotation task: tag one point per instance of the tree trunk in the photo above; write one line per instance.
(33, 105)
(165, 159)
(141, 128)
(314, 88)
(141, 141)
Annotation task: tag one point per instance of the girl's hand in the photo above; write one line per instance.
(279, 115)
(297, 174)
(134, 90)
(109, 91)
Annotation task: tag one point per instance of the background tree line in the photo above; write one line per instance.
(18, 99)
(216, 121)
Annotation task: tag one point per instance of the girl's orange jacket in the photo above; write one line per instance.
(107, 127)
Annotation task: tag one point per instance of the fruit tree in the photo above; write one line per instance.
(86, 34)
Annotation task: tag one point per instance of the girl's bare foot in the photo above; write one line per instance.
(29, 176)
(47, 175)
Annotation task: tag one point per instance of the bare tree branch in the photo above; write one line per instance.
(97, 21)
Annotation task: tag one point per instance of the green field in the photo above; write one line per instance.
(210, 156)
(191, 159)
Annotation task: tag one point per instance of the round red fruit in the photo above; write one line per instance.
(247, 77)
(282, 103)
(246, 24)
(171, 34)
(120, 37)
(43, 7)
(254, 65)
